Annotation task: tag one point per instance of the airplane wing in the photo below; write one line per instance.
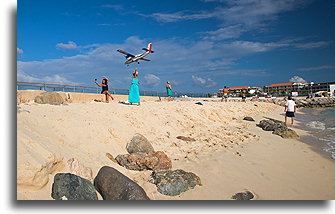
(125, 53)
(145, 59)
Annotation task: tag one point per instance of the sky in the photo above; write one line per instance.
(199, 45)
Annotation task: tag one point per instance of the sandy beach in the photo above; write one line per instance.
(229, 155)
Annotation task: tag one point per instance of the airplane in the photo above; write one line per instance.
(131, 58)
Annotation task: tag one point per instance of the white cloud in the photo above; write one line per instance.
(113, 6)
(19, 51)
(173, 60)
(297, 79)
(247, 12)
(181, 16)
(323, 67)
(236, 16)
(203, 83)
(311, 45)
(202, 57)
(70, 45)
(229, 32)
(54, 79)
(151, 80)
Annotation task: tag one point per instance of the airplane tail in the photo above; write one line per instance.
(149, 48)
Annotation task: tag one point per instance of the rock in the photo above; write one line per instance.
(144, 161)
(185, 138)
(139, 143)
(271, 124)
(287, 133)
(113, 185)
(199, 103)
(248, 118)
(278, 128)
(49, 97)
(247, 195)
(72, 187)
(174, 182)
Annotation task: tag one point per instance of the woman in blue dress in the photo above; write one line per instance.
(134, 92)
(169, 90)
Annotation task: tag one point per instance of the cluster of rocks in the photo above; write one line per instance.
(113, 185)
(278, 128)
(309, 103)
(142, 156)
(109, 182)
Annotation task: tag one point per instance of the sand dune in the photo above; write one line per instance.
(228, 154)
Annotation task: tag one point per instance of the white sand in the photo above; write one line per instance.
(272, 167)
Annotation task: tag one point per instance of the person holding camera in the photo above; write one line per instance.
(104, 88)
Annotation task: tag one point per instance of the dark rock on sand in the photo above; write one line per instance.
(113, 185)
(49, 97)
(185, 138)
(174, 182)
(278, 128)
(145, 161)
(139, 143)
(247, 195)
(72, 187)
(286, 133)
(248, 118)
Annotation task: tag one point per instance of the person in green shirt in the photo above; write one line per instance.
(169, 90)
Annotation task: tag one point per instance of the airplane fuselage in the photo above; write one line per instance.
(136, 58)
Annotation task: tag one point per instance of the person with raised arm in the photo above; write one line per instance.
(104, 88)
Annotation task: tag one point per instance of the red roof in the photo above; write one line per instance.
(239, 87)
(280, 84)
(283, 84)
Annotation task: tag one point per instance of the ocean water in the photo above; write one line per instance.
(320, 123)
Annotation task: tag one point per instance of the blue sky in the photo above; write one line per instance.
(200, 45)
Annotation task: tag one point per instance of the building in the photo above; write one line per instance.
(303, 89)
(284, 88)
(234, 91)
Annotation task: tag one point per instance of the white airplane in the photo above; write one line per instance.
(131, 58)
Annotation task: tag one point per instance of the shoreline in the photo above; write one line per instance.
(269, 166)
(304, 117)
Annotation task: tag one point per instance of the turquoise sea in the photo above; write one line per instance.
(320, 124)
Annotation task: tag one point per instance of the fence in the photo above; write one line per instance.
(97, 90)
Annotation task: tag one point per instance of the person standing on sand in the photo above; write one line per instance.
(244, 96)
(290, 109)
(225, 94)
(134, 92)
(104, 88)
(169, 90)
